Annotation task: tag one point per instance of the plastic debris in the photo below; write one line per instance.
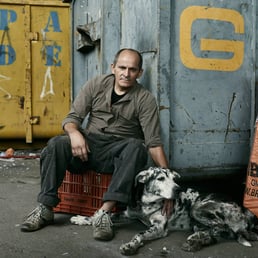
(10, 153)
(164, 250)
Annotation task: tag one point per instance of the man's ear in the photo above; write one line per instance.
(140, 73)
(112, 67)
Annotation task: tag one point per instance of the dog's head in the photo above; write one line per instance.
(158, 183)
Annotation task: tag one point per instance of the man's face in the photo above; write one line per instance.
(126, 70)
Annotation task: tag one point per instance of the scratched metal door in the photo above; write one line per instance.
(12, 71)
(199, 61)
(34, 70)
(50, 69)
(212, 92)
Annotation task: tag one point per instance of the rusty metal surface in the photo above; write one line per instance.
(199, 62)
(213, 85)
(34, 68)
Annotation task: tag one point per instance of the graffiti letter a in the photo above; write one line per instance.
(53, 23)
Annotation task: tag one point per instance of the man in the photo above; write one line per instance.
(123, 125)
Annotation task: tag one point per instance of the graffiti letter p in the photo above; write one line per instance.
(6, 17)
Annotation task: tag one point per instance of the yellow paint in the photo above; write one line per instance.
(28, 82)
(190, 60)
(34, 69)
(36, 2)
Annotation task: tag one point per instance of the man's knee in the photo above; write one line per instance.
(57, 144)
(59, 141)
(136, 146)
(136, 143)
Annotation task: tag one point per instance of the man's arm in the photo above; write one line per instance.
(159, 158)
(79, 145)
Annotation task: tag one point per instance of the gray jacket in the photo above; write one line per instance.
(135, 115)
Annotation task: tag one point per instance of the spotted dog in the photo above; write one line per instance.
(208, 218)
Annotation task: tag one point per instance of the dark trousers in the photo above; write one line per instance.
(124, 158)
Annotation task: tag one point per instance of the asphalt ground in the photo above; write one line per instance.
(19, 185)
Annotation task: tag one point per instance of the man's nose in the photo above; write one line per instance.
(126, 72)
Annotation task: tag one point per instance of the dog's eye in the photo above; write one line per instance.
(161, 178)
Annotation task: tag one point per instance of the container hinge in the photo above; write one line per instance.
(33, 36)
(34, 120)
(89, 36)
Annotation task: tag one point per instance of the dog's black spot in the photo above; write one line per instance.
(208, 216)
(220, 214)
(161, 179)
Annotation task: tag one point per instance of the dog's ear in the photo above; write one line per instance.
(176, 175)
(142, 177)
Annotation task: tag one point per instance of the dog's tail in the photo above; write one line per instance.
(241, 240)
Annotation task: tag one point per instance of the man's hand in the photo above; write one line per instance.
(80, 147)
(167, 207)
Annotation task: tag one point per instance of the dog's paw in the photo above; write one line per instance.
(243, 241)
(191, 247)
(129, 249)
(251, 236)
(81, 220)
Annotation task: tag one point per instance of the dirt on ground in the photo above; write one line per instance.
(19, 185)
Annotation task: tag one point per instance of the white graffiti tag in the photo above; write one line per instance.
(7, 94)
(48, 78)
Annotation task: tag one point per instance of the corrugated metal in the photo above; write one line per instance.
(34, 68)
(199, 61)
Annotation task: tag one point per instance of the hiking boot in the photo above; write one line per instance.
(40, 217)
(102, 226)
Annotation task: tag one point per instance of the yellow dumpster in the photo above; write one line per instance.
(34, 68)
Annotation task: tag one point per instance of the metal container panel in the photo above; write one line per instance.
(12, 71)
(199, 61)
(50, 68)
(213, 84)
(90, 61)
(34, 68)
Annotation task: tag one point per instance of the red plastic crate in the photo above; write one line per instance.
(82, 193)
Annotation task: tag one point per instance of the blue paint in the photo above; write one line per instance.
(7, 52)
(7, 55)
(53, 55)
(6, 17)
(53, 23)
